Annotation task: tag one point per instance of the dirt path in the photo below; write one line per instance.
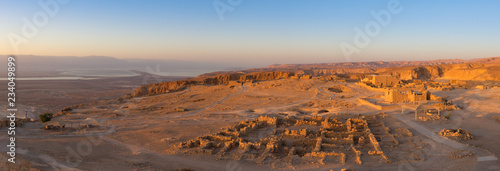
(50, 161)
(428, 133)
(220, 101)
(194, 164)
(482, 155)
(320, 88)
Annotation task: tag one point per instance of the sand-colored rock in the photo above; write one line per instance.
(234, 79)
(457, 133)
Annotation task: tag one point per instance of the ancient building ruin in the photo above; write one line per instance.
(324, 139)
(459, 133)
(381, 80)
(397, 96)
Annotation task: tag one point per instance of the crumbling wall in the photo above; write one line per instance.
(383, 80)
(376, 106)
(395, 96)
(389, 135)
(269, 120)
(303, 122)
(339, 140)
(364, 85)
(326, 154)
(368, 103)
(296, 133)
(358, 156)
(319, 142)
(334, 139)
(273, 145)
(418, 96)
(459, 133)
(374, 142)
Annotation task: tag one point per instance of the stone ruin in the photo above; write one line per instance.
(396, 96)
(459, 133)
(381, 80)
(460, 154)
(430, 115)
(325, 140)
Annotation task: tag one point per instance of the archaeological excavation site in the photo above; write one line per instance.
(288, 142)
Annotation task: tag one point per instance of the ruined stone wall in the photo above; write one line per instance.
(413, 97)
(334, 139)
(395, 96)
(383, 80)
(302, 122)
(370, 87)
(269, 120)
(376, 106)
(368, 103)
(340, 140)
(358, 155)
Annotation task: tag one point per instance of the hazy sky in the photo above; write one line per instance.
(254, 32)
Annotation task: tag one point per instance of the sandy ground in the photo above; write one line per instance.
(39, 96)
(141, 133)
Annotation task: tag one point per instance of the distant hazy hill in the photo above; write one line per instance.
(492, 60)
(372, 65)
(50, 64)
(32, 62)
(355, 67)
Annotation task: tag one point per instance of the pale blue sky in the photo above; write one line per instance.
(256, 32)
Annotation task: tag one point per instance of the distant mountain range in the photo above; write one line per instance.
(31, 63)
(377, 64)
(356, 67)
(492, 60)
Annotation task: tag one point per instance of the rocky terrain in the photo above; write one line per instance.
(476, 70)
(166, 87)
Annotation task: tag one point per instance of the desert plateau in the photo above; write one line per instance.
(350, 116)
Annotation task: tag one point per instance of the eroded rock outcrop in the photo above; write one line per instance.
(466, 71)
(166, 87)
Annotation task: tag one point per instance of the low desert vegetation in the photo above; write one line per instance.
(198, 100)
(180, 109)
(21, 164)
(45, 117)
(185, 169)
(68, 109)
(448, 115)
(497, 118)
